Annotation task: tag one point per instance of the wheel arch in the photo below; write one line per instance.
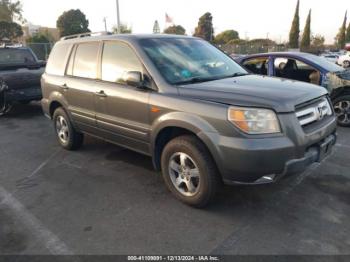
(175, 125)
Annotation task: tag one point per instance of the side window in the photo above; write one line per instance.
(296, 70)
(257, 65)
(85, 62)
(117, 59)
(56, 64)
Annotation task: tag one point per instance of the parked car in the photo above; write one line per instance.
(344, 60)
(201, 117)
(20, 73)
(306, 68)
(333, 58)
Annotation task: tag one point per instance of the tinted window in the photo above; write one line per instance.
(118, 59)
(85, 62)
(57, 60)
(16, 56)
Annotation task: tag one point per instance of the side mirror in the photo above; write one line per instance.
(134, 78)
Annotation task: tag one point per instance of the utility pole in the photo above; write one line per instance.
(105, 21)
(118, 17)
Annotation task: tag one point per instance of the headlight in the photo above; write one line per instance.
(254, 120)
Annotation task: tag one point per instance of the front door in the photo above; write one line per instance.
(122, 111)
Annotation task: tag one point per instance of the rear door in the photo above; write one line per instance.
(80, 85)
(122, 111)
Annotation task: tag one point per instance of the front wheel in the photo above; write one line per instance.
(5, 106)
(67, 136)
(342, 110)
(346, 64)
(189, 171)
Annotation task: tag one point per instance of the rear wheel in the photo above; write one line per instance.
(342, 110)
(189, 171)
(67, 136)
(346, 64)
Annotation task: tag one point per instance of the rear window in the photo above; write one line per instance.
(56, 64)
(16, 56)
(85, 62)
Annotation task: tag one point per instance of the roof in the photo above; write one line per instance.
(123, 37)
(298, 54)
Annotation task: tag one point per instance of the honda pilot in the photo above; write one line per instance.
(203, 119)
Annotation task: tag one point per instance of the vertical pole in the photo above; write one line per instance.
(105, 21)
(118, 17)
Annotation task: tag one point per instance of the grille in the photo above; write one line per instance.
(314, 112)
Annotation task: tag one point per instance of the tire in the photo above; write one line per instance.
(342, 109)
(67, 136)
(5, 107)
(346, 64)
(197, 172)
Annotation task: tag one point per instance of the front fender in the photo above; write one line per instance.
(183, 120)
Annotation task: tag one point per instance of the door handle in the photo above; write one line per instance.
(101, 93)
(64, 87)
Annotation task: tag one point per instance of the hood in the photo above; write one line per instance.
(258, 91)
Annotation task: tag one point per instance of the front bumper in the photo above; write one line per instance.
(26, 94)
(266, 160)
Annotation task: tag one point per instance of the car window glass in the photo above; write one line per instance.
(296, 70)
(85, 62)
(118, 59)
(257, 65)
(15, 56)
(57, 61)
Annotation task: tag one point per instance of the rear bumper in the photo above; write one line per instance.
(26, 94)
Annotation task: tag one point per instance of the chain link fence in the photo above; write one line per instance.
(247, 49)
(42, 50)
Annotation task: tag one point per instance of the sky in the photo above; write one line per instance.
(251, 18)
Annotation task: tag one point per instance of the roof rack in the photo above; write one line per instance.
(88, 34)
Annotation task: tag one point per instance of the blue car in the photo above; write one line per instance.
(306, 68)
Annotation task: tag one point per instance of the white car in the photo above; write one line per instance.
(331, 57)
(344, 60)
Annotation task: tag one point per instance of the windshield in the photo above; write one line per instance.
(181, 60)
(323, 62)
(15, 56)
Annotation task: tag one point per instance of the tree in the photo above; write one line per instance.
(72, 22)
(10, 31)
(205, 28)
(175, 30)
(340, 39)
(306, 38)
(226, 36)
(39, 38)
(11, 11)
(124, 29)
(317, 41)
(295, 29)
(347, 37)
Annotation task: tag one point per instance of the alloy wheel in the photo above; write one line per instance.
(342, 110)
(62, 129)
(184, 174)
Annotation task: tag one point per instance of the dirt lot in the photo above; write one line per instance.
(107, 200)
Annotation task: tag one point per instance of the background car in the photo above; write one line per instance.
(20, 73)
(344, 60)
(333, 58)
(306, 68)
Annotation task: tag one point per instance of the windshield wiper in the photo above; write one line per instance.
(237, 75)
(195, 80)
